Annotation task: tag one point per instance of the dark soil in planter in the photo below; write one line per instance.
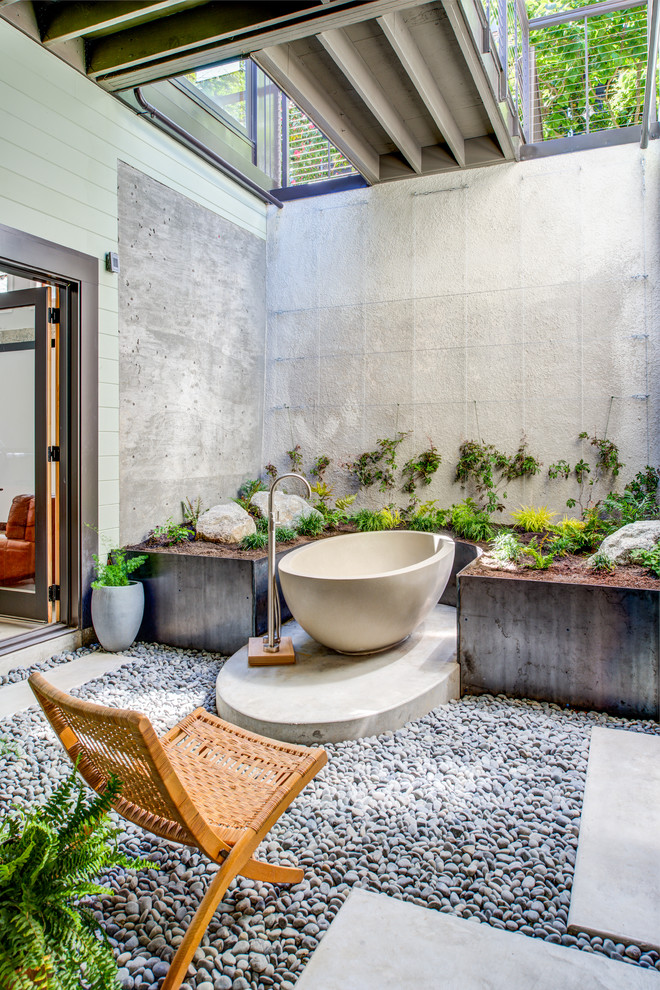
(203, 548)
(574, 570)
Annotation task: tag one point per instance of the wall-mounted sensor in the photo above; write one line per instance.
(112, 262)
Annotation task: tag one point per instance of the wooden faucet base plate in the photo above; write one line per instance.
(258, 657)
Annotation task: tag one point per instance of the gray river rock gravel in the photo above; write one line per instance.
(473, 810)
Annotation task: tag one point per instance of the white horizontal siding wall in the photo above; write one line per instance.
(60, 140)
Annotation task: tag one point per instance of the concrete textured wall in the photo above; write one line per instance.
(69, 195)
(517, 298)
(191, 354)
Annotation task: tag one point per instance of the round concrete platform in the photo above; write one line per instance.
(327, 696)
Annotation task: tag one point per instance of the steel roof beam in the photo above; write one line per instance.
(289, 73)
(398, 34)
(75, 20)
(347, 58)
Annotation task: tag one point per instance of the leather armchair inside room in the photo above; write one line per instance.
(17, 542)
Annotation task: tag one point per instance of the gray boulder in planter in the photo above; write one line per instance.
(583, 645)
(117, 614)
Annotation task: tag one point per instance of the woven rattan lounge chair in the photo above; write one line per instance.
(205, 783)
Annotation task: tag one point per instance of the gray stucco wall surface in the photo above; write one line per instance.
(519, 298)
(191, 356)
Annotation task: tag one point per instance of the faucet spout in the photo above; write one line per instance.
(272, 638)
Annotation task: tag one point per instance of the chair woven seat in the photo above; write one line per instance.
(206, 783)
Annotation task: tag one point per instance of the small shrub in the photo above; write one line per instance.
(310, 525)
(539, 561)
(533, 519)
(470, 522)
(367, 521)
(171, 532)
(261, 523)
(506, 547)
(391, 517)
(283, 534)
(429, 519)
(559, 546)
(114, 573)
(650, 559)
(192, 511)
(602, 562)
(569, 526)
(248, 490)
(254, 541)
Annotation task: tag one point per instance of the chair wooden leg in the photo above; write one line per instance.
(200, 922)
(254, 869)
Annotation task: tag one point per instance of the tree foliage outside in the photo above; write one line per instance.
(616, 64)
(226, 86)
(311, 156)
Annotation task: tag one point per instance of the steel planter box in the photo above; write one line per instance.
(587, 646)
(204, 603)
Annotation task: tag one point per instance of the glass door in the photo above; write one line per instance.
(26, 515)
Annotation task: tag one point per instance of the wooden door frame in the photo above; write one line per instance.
(79, 416)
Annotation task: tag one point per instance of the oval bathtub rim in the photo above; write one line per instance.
(447, 544)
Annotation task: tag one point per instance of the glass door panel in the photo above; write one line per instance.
(24, 483)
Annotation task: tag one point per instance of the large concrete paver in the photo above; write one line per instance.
(17, 697)
(616, 889)
(378, 943)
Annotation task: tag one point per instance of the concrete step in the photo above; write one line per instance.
(327, 696)
(616, 889)
(378, 943)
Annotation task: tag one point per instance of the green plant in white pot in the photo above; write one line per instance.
(117, 602)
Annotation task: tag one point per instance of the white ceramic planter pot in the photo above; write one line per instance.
(117, 614)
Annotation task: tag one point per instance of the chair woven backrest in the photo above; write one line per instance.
(106, 741)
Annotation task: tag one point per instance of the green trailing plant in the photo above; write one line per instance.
(192, 510)
(295, 458)
(506, 547)
(533, 519)
(471, 522)
(284, 534)
(320, 466)
(538, 561)
(602, 562)
(310, 525)
(560, 469)
(607, 464)
(254, 541)
(171, 532)
(271, 471)
(420, 469)
(607, 454)
(650, 559)
(50, 856)
(378, 465)
(486, 469)
(247, 491)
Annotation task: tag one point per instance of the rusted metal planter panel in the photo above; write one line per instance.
(204, 603)
(586, 646)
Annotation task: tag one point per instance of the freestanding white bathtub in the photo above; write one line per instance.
(366, 592)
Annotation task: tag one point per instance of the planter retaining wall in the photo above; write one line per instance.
(586, 646)
(217, 603)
